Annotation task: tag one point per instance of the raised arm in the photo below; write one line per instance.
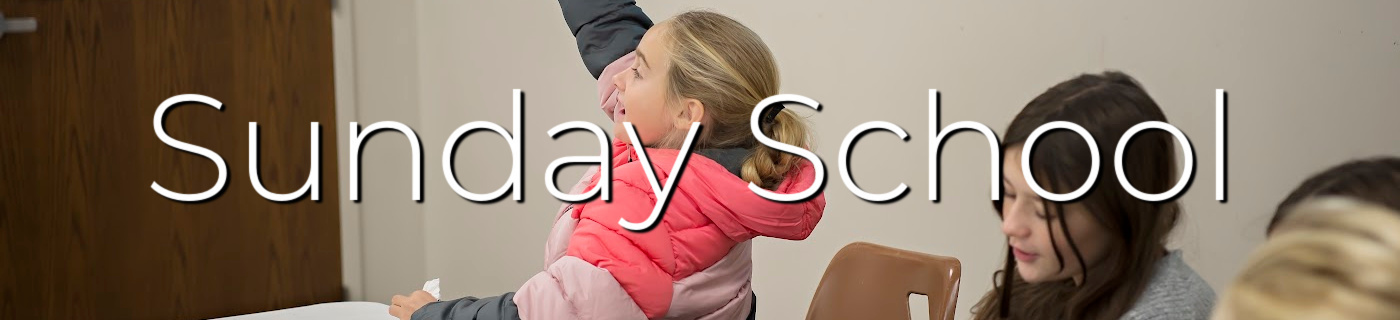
(604, 29)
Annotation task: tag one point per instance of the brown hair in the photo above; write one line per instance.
(729, 69)
(1375, 180)
(1106, 105)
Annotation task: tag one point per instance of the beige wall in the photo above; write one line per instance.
(1311, 84)
(377, 80)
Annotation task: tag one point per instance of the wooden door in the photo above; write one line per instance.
(82, 233)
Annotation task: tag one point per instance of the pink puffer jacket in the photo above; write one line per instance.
(696, 264)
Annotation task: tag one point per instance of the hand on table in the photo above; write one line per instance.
(403, 307)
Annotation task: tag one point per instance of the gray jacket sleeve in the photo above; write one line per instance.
(604, 29)
(471, 308)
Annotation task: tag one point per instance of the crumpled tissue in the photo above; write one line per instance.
(432, 288)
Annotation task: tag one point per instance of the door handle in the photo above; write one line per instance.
(17, 25)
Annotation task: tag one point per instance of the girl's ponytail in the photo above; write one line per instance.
(767, 166)
(728, 68)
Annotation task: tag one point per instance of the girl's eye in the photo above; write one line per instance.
(636, 74)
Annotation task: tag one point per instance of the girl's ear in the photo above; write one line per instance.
(691, 111)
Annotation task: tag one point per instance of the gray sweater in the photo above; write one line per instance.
(1175, 292)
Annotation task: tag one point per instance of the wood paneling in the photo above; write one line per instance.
(83, 235)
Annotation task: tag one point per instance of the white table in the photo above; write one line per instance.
(353, 310)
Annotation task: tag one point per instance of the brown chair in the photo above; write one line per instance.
(870, 281)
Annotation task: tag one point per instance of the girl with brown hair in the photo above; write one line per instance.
(1104, 255)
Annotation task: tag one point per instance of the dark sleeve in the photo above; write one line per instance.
(604, 29)
(471, 308)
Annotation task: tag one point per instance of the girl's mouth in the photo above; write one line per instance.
(1024, 256)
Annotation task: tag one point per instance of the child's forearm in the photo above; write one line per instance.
(470, 308)
(605, 30)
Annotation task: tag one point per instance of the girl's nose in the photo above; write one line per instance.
(620, 81)
(1013, 222)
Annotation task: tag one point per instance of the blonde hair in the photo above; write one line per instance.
(1332, 258)
(726, 67)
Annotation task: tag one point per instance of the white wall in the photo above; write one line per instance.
(1311, 84)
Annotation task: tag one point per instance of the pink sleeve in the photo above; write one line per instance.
(607, 91)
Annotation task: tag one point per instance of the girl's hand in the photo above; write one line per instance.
(403, 307)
